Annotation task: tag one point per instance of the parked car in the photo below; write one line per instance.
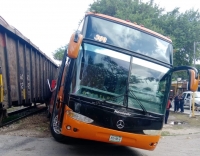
(187, 95)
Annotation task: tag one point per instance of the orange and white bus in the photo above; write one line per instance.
(114, 83)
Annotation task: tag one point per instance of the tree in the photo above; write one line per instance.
(184, 31)
(133, 10)
(58, 53)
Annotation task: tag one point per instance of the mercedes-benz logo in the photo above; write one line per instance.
(120, 124)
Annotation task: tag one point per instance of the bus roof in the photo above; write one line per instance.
(131, 24)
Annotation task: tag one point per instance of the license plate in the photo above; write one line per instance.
(115, 138)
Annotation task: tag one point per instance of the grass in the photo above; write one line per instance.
(165, 133)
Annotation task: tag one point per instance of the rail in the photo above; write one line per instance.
(22, 113)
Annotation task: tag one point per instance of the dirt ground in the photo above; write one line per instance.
(33, 126)
(38, 126)
(179, 124)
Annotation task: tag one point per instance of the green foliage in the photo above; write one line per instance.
(133, 10)
(58, 53)
(184, 31)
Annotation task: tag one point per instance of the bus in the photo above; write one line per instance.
(114, 83)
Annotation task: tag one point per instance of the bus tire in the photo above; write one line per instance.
(55, 129)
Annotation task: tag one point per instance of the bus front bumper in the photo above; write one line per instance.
(78, 129)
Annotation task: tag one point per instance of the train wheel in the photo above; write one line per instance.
(55, 128)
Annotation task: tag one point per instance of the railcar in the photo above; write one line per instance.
(24, 70)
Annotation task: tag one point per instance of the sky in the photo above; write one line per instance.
(50, 23)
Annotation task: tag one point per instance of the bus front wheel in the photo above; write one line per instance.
(55, 129)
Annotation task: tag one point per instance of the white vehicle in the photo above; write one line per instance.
(187, 95)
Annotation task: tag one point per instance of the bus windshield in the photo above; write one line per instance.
(106, 74)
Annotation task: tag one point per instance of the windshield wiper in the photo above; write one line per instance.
(141, 105)
(125, 96)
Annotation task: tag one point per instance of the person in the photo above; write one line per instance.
(167, 111)
(181, 103)
(176, 103)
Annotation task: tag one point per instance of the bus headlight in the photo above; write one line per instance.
(79, 117)
(152, 132)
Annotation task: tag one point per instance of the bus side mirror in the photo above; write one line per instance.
(193, 80)
(74, 45)
(193, 76)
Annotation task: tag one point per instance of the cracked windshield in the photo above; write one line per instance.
(103, 75)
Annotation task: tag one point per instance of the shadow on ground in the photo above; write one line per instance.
(91, 148)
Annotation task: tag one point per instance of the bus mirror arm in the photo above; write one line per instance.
(180, 68)
(193, 76)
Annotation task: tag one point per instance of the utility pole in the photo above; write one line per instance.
(195, 52)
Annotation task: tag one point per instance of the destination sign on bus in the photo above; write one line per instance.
(100, 38)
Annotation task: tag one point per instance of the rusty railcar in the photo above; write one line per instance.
(24, 70)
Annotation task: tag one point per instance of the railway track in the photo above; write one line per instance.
(22, 113)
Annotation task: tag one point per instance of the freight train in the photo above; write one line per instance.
(24, 70)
